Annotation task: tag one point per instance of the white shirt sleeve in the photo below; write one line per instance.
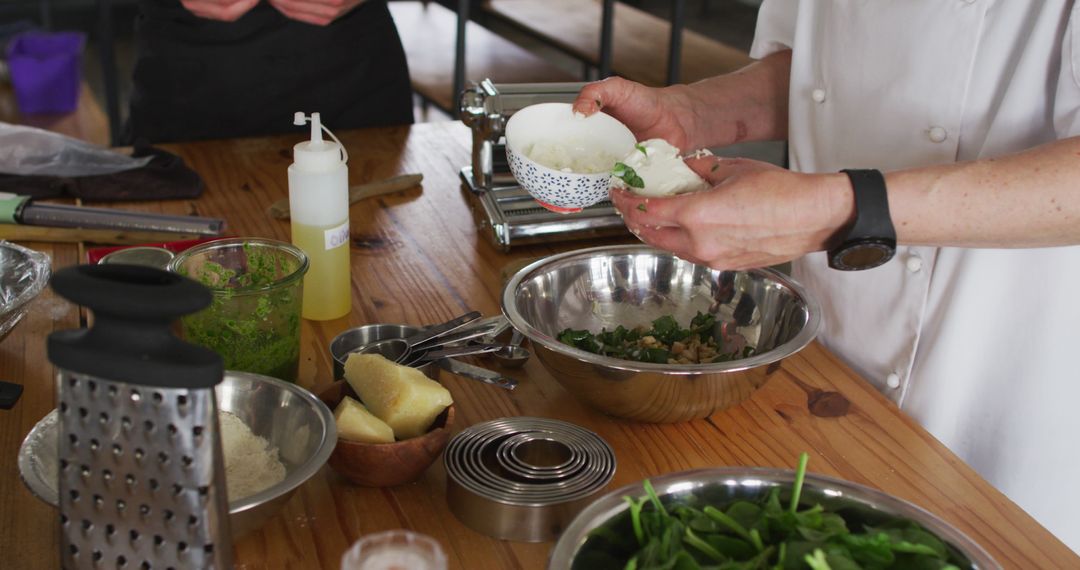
(1067, 97)
(775, 27)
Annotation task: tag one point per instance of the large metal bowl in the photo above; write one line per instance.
(23, 274)
(723, 485)
(633, 285)
(289, 417)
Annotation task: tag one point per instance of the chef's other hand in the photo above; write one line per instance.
(755, 215)
(316, 12)
(649, 112)
(224, 10)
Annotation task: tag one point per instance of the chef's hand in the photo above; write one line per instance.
(755, 215)
(317, 12)
(224, 10)
(647, 111)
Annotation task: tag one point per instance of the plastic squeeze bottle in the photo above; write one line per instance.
(319, 205)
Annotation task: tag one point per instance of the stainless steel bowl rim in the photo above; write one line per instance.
(606, 507)
(293, 479)
(797, 343)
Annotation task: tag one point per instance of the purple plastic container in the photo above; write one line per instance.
(45, 70)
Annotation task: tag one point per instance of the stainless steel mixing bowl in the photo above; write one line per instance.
(723, 485)
(289, 417)
(632, 285)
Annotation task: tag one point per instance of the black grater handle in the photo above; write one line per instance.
(131, 339)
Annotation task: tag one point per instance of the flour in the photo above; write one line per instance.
(251, 465)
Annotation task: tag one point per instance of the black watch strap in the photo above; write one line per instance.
(873, 228)
(871, 204)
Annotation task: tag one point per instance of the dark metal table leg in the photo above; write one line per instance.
(678, 22)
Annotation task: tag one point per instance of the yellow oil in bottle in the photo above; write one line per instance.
(326, 286)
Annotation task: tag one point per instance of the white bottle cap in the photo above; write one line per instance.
(317, 155)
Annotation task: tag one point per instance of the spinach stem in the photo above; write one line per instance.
(781, 555)
(755, 539)
(722, 518)
(696, 541)
(635, 519)
(817, 560)
(654, 499)
(800, 475)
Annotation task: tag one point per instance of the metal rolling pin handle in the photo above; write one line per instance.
(17, 209)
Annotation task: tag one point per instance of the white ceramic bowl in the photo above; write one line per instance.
(556, 124)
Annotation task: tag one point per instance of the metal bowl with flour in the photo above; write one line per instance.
(289, 417)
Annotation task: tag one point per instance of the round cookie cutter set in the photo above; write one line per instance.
(524, 478)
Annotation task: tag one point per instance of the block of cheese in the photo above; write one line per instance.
(356, 423)
(400, 396)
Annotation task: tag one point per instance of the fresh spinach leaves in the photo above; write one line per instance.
(762, 534)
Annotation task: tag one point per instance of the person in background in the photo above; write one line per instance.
(971, 109)
(224, 68)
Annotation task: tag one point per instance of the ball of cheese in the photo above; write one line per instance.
(399, 395)
(356, 423)
(656, 169)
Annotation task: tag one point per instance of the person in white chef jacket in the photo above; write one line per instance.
(971, 108)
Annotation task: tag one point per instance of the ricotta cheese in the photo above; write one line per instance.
(654, 168)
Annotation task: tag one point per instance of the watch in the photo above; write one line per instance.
(871, 240)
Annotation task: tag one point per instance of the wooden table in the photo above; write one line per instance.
(418, 259)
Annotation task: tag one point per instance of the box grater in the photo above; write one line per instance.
(504, 212)
(142, 482)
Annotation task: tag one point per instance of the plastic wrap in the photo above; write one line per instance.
(29, 151)
(23, 274)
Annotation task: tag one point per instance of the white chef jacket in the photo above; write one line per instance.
(981, 346)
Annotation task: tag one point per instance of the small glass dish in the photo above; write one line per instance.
(394, 549)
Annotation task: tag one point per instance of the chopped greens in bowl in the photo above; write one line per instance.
(665, 343)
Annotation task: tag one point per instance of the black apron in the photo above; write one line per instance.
(204, 79)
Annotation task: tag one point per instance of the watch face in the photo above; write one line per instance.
(861, 255)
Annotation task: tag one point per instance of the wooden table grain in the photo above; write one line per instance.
(417, 258)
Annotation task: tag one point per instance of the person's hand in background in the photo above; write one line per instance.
(224, 10)
(755, 215)
(316, 12)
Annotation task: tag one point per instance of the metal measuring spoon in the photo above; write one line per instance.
(392, 349)
(512, 355)
(429, 334)
(430, 355)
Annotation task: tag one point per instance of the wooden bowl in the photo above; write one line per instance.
(386, 464)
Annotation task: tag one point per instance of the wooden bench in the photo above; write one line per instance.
(640, 40)
(429, 31)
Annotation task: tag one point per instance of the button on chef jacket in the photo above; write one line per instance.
(981, 346)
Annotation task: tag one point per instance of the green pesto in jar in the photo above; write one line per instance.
(253, 321)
